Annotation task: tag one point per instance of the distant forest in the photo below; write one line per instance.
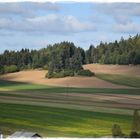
(66, 56)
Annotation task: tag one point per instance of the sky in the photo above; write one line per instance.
(35, 25)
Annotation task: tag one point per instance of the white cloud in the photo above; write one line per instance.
(28, 9)
(125, 15)
(123, 19)
(43, 6)
(122, 12)
(75, 25)
(6, 8)
(4, 22)
(132, 9)
(127, 28)
(51, 23)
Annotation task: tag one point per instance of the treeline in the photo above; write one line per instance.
(67, 59)
(119, 52)
(61, 59)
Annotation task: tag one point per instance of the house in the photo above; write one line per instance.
(24, 134)
(1, 136)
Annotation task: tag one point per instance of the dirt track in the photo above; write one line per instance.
(38, 76)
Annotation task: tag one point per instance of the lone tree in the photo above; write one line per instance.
(136, 121)
(134, 134)
(116, 131)
(135, 125)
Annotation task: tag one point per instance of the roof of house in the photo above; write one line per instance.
(24, 134)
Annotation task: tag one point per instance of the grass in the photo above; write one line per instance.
(121, 79)
(44, 109)
(50, 121)
(20, 86)
(5, 84)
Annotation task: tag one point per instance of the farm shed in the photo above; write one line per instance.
(24, 134)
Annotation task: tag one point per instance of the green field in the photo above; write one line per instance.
(20, 86)
(126, 80)
(60, 111)
(49, 121)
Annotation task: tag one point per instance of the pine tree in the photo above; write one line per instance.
(136, 121)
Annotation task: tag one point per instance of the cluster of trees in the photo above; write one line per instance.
(63, 59)
(135, 131)
(118, 52)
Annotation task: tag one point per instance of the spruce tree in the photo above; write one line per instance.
(136, 121)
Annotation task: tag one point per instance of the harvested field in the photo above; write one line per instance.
(84, 101)
(38, 77)
(114, 69)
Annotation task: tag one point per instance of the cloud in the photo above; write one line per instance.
(127, 28)
(6, 8)
(132, 9)
(125, 15)
(28, 9)
(122, 12)
(51, 23)
(43, 6)
(123, 19)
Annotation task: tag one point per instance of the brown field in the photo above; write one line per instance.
(38, 77)
(114, 69)
(84, 101)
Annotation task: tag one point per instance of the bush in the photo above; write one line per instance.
(25, 67)
(68, 73)
(55, 75)
(45, 67)
(85, 73)
(1, 70)
(65, 73)
(49, 75)
(116, 131)
(60, 74)
(10, 69)
(134, 134)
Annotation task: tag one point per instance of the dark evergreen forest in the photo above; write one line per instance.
(66, 57)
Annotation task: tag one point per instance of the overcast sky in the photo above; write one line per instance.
(35, 25)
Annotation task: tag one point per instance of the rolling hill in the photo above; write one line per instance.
(52, 107)
(38, 77)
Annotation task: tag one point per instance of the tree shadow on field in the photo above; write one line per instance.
(5, 83)
(33, 88)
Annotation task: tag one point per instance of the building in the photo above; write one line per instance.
(1, 136)
(24, 134)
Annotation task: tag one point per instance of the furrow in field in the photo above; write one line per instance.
(72, 106)
(85, 98)
(114, 103)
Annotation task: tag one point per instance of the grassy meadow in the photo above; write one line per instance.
(52, 121)
(127, 80)
(65, 111)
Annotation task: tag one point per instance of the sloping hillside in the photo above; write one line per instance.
(114, 69)
(38, 76)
